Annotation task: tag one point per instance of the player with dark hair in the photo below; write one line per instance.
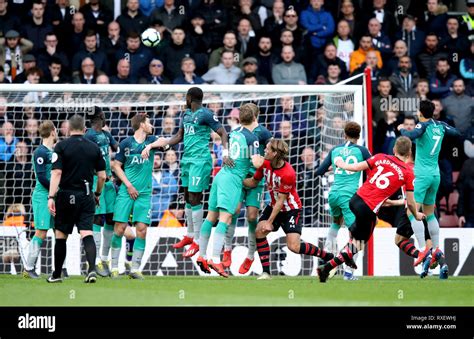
(105, 211)
(386, 174)
(345, 185)
(226, 190)
(285, 208)
(429, 135)
(134, 196)
(196, 164)
(42, 218)
(252, 198)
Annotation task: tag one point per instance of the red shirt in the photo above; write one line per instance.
(386, 175)
(281, 180)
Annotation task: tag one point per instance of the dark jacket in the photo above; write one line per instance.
(427, 60)
(99, 57)
(105, 15)
(139, 60)
(170, 21)
(415, 41)
(440, 87)
(128, 24)
(172, 56)
(111, 51)
(404, 87)
(36, 34)
(216, 21)
(44, 58)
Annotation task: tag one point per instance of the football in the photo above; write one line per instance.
(151, 37)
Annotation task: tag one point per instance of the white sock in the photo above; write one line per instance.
(197, 222)
(433, 227)
(419, 230)
(189, 221)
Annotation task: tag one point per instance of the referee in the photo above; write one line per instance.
(75, 161)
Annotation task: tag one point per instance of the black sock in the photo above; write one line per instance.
(89, 247)
(408, 248)
(59, 256)
(129, 253)
(263, 250)
(310, 249)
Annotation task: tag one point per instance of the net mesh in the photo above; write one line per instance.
(311, 123)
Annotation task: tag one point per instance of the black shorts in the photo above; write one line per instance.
(404, 226)
(74, 208)
(365, 219)
(289, 221)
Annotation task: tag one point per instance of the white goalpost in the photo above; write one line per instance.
(310, 118)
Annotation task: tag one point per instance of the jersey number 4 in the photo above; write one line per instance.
(381, 180)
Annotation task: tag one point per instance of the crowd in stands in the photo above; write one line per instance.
(414, 49)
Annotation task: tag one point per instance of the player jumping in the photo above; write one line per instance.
(429, 135)
(226, 190)
(134, 196)
(285, 208)
(252, 198)
(345, 185)
(196, 163)
(386, 174)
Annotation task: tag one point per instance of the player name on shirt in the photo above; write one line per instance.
(392, 165)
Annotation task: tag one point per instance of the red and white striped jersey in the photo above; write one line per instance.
(281, 180)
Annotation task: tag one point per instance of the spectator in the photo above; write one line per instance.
(30, 134)
(274, 22)
(371, 63)
(61, 17)
(230, 43)
(7, 20)
(380, 40)
(55, 74)
(29, 62)
(169, 14)
(34, 76)
(171, 163)
(123, 74)
(148, 6)
(76, 36)
(188, 76)
(399, 50)
(435, 18)
(265, 58)
(467, 20)
(249, 66)
(288, 72)
(244, 11)
(344, 43)
(8, 142)
(358, 57)
(233, 120)
(250, 79)
(225, 73)
(384, 16)
(164, 185)
(19, 177)
(247, 42)
(465, 209)
(216, 21)
(91, 51)
(12, 50)
(155, 73)
(132, 19)
(441, 82)
(466, 67)
(102, 79)
(422, 89)
(138, 56)
(386, 133)
(285, 132)
(306, 184)
(459, 106)
(287, 39)
(119, 122)
(319, 24)
(168, 127)
(381, 101)
(15, 216)
(64, 129)
(452, 43)
(288, 111)
(413, 37)
(291, 23)
(428, 58)
(51, 52)
(36, 29)
(175, 52)
(347, 13)
(200, 42)
(329, 57)
(333, 77)
(403, 80)
(88, 73)
(97, 16)
(112, 43)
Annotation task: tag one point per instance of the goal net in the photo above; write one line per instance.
(309, 118)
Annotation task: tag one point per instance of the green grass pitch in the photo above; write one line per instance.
(239, 291)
